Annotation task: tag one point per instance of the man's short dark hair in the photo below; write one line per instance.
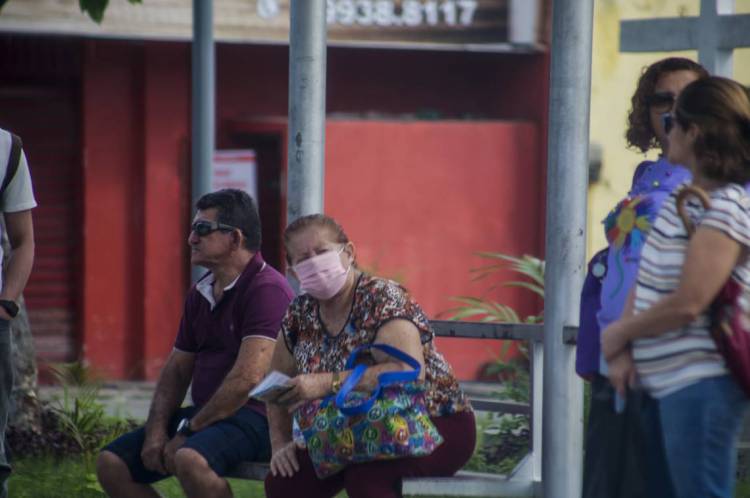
(236, 208)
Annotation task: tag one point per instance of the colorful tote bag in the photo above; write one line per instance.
(391, 422)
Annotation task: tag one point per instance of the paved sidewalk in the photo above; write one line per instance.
(120, 399)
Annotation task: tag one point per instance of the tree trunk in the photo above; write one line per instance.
(25, 407)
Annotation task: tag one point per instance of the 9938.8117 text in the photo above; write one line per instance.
(410, 13)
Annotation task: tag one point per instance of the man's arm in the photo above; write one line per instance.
(709, 261)
(21, 237)
(248, 370)
(170, 391)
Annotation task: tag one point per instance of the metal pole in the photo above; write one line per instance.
(307, 107)
(203, 118)
(567, 170)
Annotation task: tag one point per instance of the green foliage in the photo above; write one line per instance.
(76, 477)
(514, 376)
(742, 490)
(94, 8)
(528, 266)
(79, 411)
(531, 270)
(76, 373)
(51, 478)
(81, 415)
(502, 441)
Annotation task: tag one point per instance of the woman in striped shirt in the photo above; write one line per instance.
(663, 338)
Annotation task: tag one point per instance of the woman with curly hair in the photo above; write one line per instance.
(617, 462)
(666, 338)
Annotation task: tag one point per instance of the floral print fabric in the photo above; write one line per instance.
(376, 302)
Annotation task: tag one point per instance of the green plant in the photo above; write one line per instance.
(531, 269)
(487, 310)
(79, 412)
(503, 440)
(94, 8)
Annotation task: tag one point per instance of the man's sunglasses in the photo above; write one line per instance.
(667, 121)
(661, 100)
(203, 228)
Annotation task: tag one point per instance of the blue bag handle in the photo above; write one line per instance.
(384, 379)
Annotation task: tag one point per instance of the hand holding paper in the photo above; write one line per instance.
(271, 387)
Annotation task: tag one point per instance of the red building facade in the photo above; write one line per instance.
(431, 157)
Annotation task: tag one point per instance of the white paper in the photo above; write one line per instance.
(271, 387)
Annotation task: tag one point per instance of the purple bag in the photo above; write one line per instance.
(588, 346)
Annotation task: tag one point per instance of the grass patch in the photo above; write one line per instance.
(47, 477)
(742, 490)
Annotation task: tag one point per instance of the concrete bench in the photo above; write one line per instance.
(525, 479)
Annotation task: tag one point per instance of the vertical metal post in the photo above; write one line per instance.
(567, 170)
(203, 91)
(307, 107)
(537, 406)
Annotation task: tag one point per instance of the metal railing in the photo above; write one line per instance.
(525, 479)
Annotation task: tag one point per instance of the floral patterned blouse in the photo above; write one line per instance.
(376, 302)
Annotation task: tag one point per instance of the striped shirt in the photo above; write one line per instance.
(678, 358)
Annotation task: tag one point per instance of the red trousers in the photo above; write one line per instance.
(382, 478)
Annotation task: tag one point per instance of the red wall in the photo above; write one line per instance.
(166, 207)
(135, 115)
(439, 191)
(112, 145)
(419, 199)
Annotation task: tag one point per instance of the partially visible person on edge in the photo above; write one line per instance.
(343, 308)
(664, 333)
(224, 345)
(16, 202)
(618, 459)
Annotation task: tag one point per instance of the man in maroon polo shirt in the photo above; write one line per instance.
(224, 344)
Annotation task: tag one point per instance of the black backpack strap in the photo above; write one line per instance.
(13, 161)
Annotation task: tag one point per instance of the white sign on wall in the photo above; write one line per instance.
(235, 169)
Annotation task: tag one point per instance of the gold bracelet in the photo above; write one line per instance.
(335, 382)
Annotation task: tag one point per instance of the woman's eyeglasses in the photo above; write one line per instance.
(203, 228)
(667, 121)
(661, 101)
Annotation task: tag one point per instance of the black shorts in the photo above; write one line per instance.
(241, 437)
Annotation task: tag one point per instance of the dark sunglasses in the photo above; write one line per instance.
(667, 121)
(661, 100)
(203, 228)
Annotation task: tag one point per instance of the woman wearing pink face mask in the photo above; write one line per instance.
(340, 308)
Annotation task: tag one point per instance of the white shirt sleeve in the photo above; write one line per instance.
(19, 196)
(730, 214)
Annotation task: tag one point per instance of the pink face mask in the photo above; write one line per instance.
(322, 276)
